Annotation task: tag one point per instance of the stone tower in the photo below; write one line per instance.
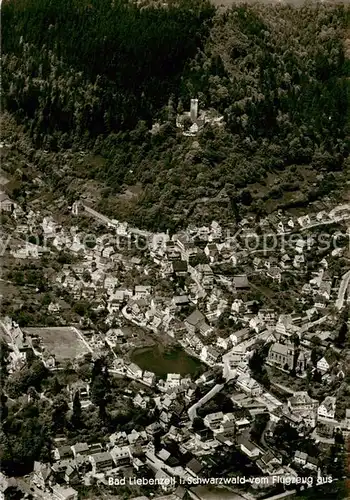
(194, 110)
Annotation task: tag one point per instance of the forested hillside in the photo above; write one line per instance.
(72, 66)
(95, 74)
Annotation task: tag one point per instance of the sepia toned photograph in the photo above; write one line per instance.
(175, 250)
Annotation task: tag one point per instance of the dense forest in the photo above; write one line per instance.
(73, 67)
(95, 76)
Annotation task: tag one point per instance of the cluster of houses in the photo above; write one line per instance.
(134, 453)
(192, 261)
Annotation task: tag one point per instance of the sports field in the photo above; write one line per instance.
(63, 342)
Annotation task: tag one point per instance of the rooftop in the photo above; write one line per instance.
(195, 318)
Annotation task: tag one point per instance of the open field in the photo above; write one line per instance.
(62, 342)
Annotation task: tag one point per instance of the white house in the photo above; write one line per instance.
(256, 324)
(304, 220)
(64, 493)
(149, 377)
(249, 448)
(209, 355)
(231, 362)
(223, 343)
(326, 362)
(301, 401)
(173, 380)
(249, 385)
(121, 455)
(141, 401)
(214, 420)
(80, 449)
(326, 409)
(237, 306)
(300, 457)
(239, 336)
(101, 462)
(141, 291)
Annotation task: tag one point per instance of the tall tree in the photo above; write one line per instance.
(59, 411)
(4, 354)
(76, 417)
(342, 334)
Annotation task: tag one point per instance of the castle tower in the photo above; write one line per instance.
(194, 110)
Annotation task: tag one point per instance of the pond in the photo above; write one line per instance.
(161, 361)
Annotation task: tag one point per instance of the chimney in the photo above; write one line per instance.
(194, 110)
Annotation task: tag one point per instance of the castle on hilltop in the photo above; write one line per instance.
(192, 121)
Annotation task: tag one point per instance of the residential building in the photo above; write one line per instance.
(179, 267)
(204, 275)
(121, 455)
(118, 439)
(268, 316)
(172, 250)
(194, 320)
(223, 344)
(71, 474)
(257, 324)
(210, 355)
(213, 420)
(240, 336)
(148, 377)
(238, 306)
(231, 362)
(326, 410)
(206, 377)
(312, 463)
(274, 273)
(249, 385)
(240, 282)
(83, 390)
(269, 463)
(134, 370)
(142, 292)
(205, 329)
(301, 402)
(42, 475)
(137, 438)
(140, 401)
(80, 449)
(101, 462)
(63, 493)
(63, 453)
(211, 251)
(6, 204)
(180, 300)
(194, 467)
(173, 380)
(165, 480)
(300, 457)
(249, 448)
(326, 362)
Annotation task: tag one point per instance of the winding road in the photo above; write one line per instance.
(108, 222)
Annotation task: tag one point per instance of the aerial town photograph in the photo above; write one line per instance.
(175, 250)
